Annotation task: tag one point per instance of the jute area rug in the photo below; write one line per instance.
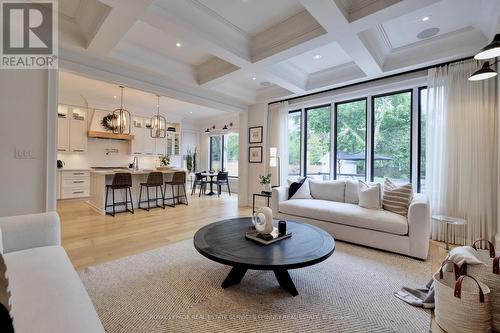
(175, 289)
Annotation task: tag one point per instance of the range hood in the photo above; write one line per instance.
(96, 130)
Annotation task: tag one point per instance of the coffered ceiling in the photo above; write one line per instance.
(228, 54)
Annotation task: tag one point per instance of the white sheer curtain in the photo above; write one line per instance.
(462, 151)
(277, 134)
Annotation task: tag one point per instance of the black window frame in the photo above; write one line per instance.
(372, 130)
(222, 153)
(301, 148)
(304, 152)
(335, 148)
(419, 140)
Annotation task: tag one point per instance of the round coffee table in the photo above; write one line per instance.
(225, 243)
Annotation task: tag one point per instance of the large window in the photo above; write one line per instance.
(391, 137)
(422, 112)
(294, 143)
(350, 134)
(318, 142)
(224, 153)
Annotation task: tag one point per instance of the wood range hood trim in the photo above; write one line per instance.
(111, 136)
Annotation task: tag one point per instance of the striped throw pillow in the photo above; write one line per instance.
(396, 198)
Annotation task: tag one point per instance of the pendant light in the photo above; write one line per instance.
(158, 123)
(492, 50)
(121, 118)
(484, 73)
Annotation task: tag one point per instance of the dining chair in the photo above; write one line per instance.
(199, 180)
(223, 179)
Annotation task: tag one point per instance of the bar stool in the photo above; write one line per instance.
(155, 179)
(121, 181)
(179, 180)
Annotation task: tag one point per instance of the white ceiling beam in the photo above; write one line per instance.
(331, 17)
(123, 15)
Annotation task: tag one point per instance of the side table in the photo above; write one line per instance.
(449, 220)
(263, 194)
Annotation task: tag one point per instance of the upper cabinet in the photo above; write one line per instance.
(149, 142)
(71, 129)
(138, 130)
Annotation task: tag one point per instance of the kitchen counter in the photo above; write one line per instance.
(102, 177)
(71, 170)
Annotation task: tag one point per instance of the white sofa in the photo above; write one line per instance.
(47, 295)
(349, 222)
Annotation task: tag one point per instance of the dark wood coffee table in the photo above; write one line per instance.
(225, 243)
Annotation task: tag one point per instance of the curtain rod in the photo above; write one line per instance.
(373, 80)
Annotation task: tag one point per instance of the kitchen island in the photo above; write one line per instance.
(102, 177)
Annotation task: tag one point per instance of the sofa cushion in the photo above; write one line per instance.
(369, 195)
(333, 190)
(47, 296)
(347, 214)
(396, 198)
(294, 186)
(351, 191)
(303, 192)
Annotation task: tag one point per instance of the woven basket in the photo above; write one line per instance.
(462, 303)
(488, 274)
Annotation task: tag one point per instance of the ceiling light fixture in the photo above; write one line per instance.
(484, 73)
(254, 78)
(178, 44)
(225, 127)
(121, 118)
(425, 18)
(158, 123)
(207, 130)
(492, 50)
(114, 97)
(317, 57)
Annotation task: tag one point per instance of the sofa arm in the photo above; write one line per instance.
(419, 226)
(279, 194)
(29, 231)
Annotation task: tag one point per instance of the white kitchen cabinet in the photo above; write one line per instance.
(177, 144)
(71, 129)
(149, 142)
(74, 184)
(78, 131)
(62, 128)
(137, 144)
(161, 146)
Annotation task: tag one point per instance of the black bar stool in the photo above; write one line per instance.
(155, 179)
(121, 181)
(179, 180)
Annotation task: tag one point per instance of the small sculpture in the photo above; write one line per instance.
(263, 220)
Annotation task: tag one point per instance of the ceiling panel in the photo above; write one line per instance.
(165, 43)
(403, 30)
(330, 55)
(253, 16)
(78, 90)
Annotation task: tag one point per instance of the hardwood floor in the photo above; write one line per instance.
(90, 238)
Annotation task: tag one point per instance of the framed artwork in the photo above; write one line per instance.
(255, 134)
(255, 154)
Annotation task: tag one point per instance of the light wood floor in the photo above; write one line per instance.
(90, 238)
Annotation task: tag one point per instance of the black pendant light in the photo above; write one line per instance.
(225, 127)
(121, 118)
(492, 50)
(158, 123)
(207, 130)
(484, 73)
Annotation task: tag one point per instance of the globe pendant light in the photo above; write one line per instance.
(491, 50)
(158, 123)
(484, 73)
(121, 118)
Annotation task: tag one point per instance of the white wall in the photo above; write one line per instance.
(23, 110)
(257, 116)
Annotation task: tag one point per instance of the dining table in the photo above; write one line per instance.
(211, 175)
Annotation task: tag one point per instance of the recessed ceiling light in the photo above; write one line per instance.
(317, 57)
(425, 18)
(254, 78)
(191, 112)
(114, 97)
(178, 44)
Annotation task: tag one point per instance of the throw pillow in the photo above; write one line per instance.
(303, 192)
(333, 190)
(396, 198)
(294, 186)
(369, 195)
(5, 318)
(351, 191)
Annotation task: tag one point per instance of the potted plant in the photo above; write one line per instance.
(266, 182)
(164, 162)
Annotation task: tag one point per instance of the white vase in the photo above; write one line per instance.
(267, 187)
